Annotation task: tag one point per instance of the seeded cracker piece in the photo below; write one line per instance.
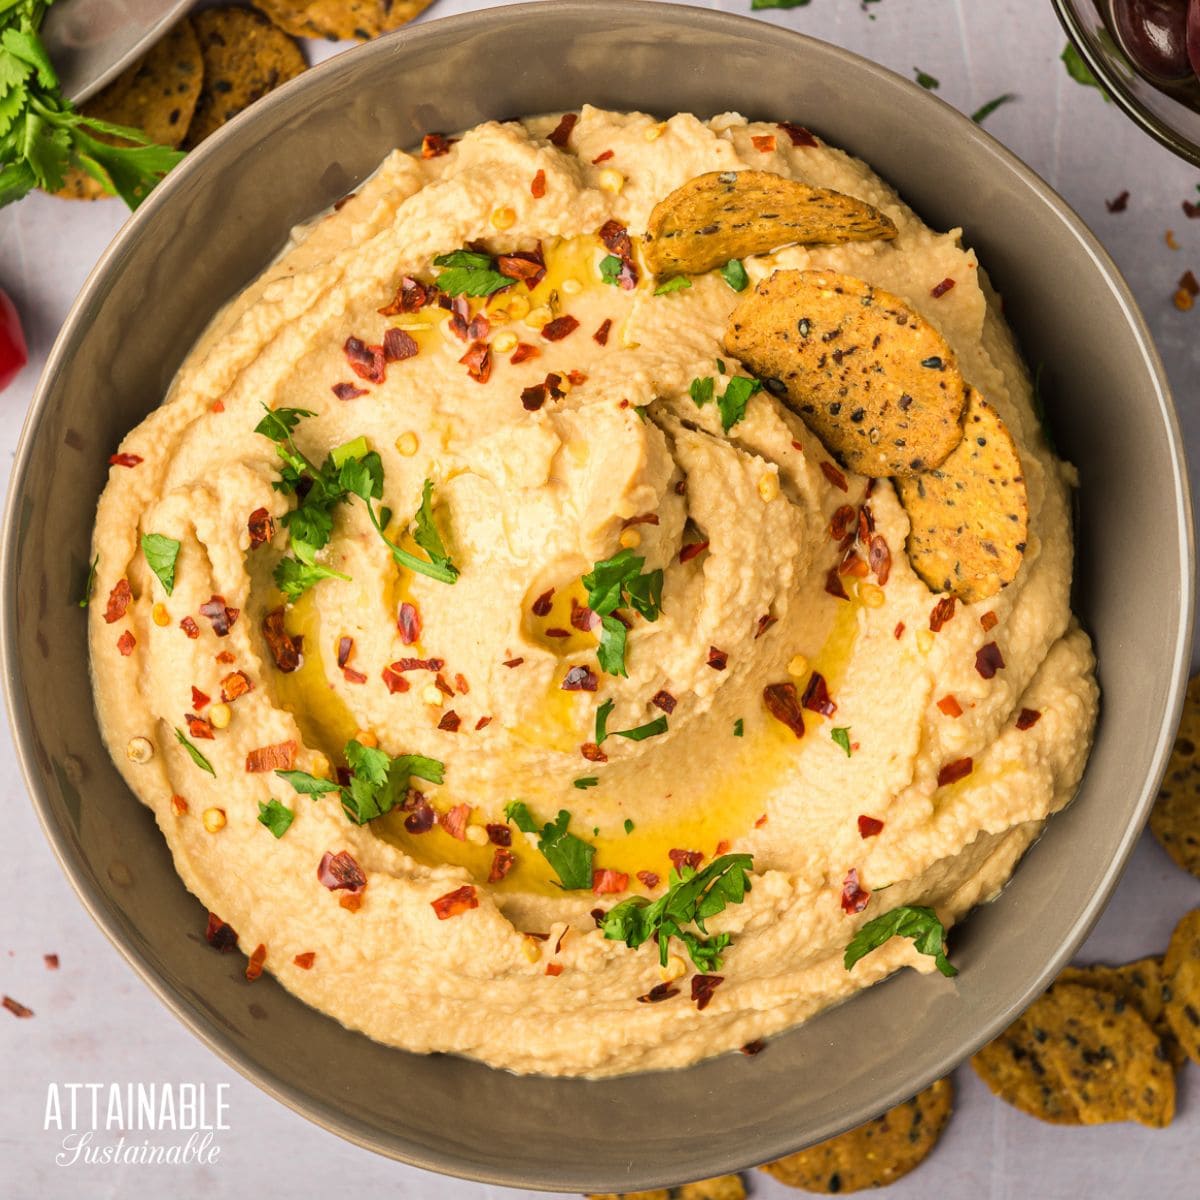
(733, 214)
(1014, 1067)
(1181, 983)
(970, 516)
(1175, 820)
(875, 1154)
(867, 374)
(1139, 984)
(341, 20)
(157, 95)
(723, 1187)
(245, 57)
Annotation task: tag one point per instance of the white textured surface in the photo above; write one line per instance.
(94, 1019)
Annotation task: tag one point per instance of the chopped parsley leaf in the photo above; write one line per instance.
(602, 714)
(701, 390)
(1080, 71)
(194, 754)
(469, 273)
(628, 825)
(569, 856)
(89, 585)
(275, 816)
(734, 274)
(641, 732)
(588, 781)
(920, 924)
(613, 583)
(732, 405)
(675, 284)
(841, 735)
(739, 728)
(981, 114)
(610, 269)
(927, 81)
(161, 552)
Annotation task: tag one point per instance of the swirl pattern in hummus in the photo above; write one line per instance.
(528, 501)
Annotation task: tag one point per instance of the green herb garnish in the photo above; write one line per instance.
(641, 732)
(757, 4)
(275, 816)
(927, 81)
(675, 284)
(841, 736)
(587, 781)
(469, 273)
(732, 405)
(691, 899)
(628, 825)
(569, 856)
(89, 585)
(161, 552)
(739, 728)
(701, 391)
(1080, 71)
(610, 269)
(734, 274)
(42, 135)
(920, 924)
(194, 754)
(614, 583)
(602, 714)
(981, 114)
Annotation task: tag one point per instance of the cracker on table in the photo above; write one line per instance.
(734, 214)
(341, 20)
(1175, 819)
(1181, 983)
(1014, 1068)
(721, 1187)
(969, 517)
(157, 95)
(866, 373)
(245, 57)
(875, 1154)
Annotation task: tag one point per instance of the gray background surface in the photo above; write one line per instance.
(96, 1022)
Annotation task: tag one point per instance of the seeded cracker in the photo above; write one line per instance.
(1175, 820)
(723, 1187)
(970, 516)
(157, 95)
(1181, 983)
(1014, 1067)
(341, 20)
(868, 375)
(875, 1154)
(734, 214)
(245, 57)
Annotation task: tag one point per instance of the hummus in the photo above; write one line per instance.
(560, 425)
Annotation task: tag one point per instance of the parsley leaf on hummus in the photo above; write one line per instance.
(701, 391)
(734, 274)
(732, 405)
(610, 270)
(469, 273)
(841, 735)
(920, 924)
(275, 816)
(89, 585)
(570, 856)
(161, 552)
(675, 284)
(612, 583)
(194, 754)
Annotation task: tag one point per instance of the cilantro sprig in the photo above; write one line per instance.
(378, 782)
(920, 924)
(691, 898)
(569, 856)
(732, 404)
(615, 583)
(469, 273)
(42, 135)
(160, 553)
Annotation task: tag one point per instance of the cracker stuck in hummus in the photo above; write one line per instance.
(727, 215)
(511, 665)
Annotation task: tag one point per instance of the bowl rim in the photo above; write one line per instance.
(1114, 87)
(70, 858)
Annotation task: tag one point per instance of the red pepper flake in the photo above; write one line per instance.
(523, 353)
(593, 753)
(580, 678)
(1118, 204)
(617, 241)
(869, 826)
(880, 558)
(179, 806)
(942, 612)
(254, 964)
(562, 131)
(345, 648)
(648, 879)
(554, 969)
(764, 143)
(482, 723)
(560, 328)
(601, 334)
(341, 872)
(834, 476)
(898, 632)
(1190, 210)
(989, 621)
(225, 657)
(218, 406)
(367, 362)
(221, 616)
(285, 649)
(421, 818)
(455, 821)
(338, 205)
(305, 961)
(784, 705)
(219, 935)
(503, 861)
(278, 757)
(542, 605)
(51, 961)
(853, 565)
(952, 772)
(125, 460)
(1189, 289)
(816, 696)
(537, 186)
(763, 624)
(854, 897)
(842, 522)
(408, 622)
(499, 835)
(799, 135)
(418, 664)
(451, 722)
(347, 391)
(524, 266)
(603, 156)
(478, 361)
(761, 821)
(664, 701)
(455, 903)
(989, 660)
(199, 699)
(411, 297)
(750, 1049)
(686, 858)
(1027, 718)
(261, 526)
(833, 584)
(398, 345)
(351, 901)
(235, 684)
(950, 706)
(557, 632)
(703, 987)
(658, 993)
(717, 659)
(691, 550)
(461, 686)
(434, 145)
(606, 882)
(16, 1007)
(126, 643)
(189, 626)
(118, 601)
(513, 662)
(939, 290)
(443, 686)
(582, 617)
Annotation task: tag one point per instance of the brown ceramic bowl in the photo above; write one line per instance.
(221, 217)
